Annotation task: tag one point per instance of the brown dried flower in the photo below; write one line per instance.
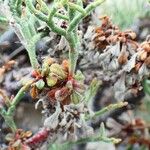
(17, 140)
(118, 56)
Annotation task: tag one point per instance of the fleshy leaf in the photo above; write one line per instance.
(58, 70)
(79, 76)
(51, 80)
(40, 84)
(76, 97)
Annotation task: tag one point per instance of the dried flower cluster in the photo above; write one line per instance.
(55, 81)
(132, 130)
(110, 34)
(137, 128)
(6, 67)
(17, 140)
(65, 122)
(121, 59)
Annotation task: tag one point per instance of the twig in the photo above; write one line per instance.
(110, 107)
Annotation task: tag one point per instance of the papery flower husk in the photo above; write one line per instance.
(61, 94)
(2, 71)
(143, 71)
(146, 46)
(53, 97)
(131, 63)
(66, 101)
(53, 121)
(65, 65)
(120, 88)
(51, 94)
(123, 56)
(34, 92)
(147, 61)
(9, 64)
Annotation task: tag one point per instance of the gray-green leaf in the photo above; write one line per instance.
(40, 84)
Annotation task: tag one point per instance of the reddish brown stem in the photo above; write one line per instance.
(38, 138)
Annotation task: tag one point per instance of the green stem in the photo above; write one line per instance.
(8, 119)
(43, 6)
(18, 6)
(88, 139)
(37, 13)
(3, 20)
(79, 17)
(45, 9)
(72, 39)
(31, 49)
(21, 93)
(73, 52)
(110, 107)
(32, 57)
(93, 5)
(8, 116)
(70, 144)
(13, 7)
(29, 41)
(51, 23)
(80, 3)
(74, 19)
(31, 24)
(61, 16)
(77, 7)
(10, 122)
(73, 56)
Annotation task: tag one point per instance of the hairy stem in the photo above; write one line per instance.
(70, 144)
(21, 93)
(36, 12)
(80, 16)
(51, 23)
(110, 107)
(8, 119)
(77, 7)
